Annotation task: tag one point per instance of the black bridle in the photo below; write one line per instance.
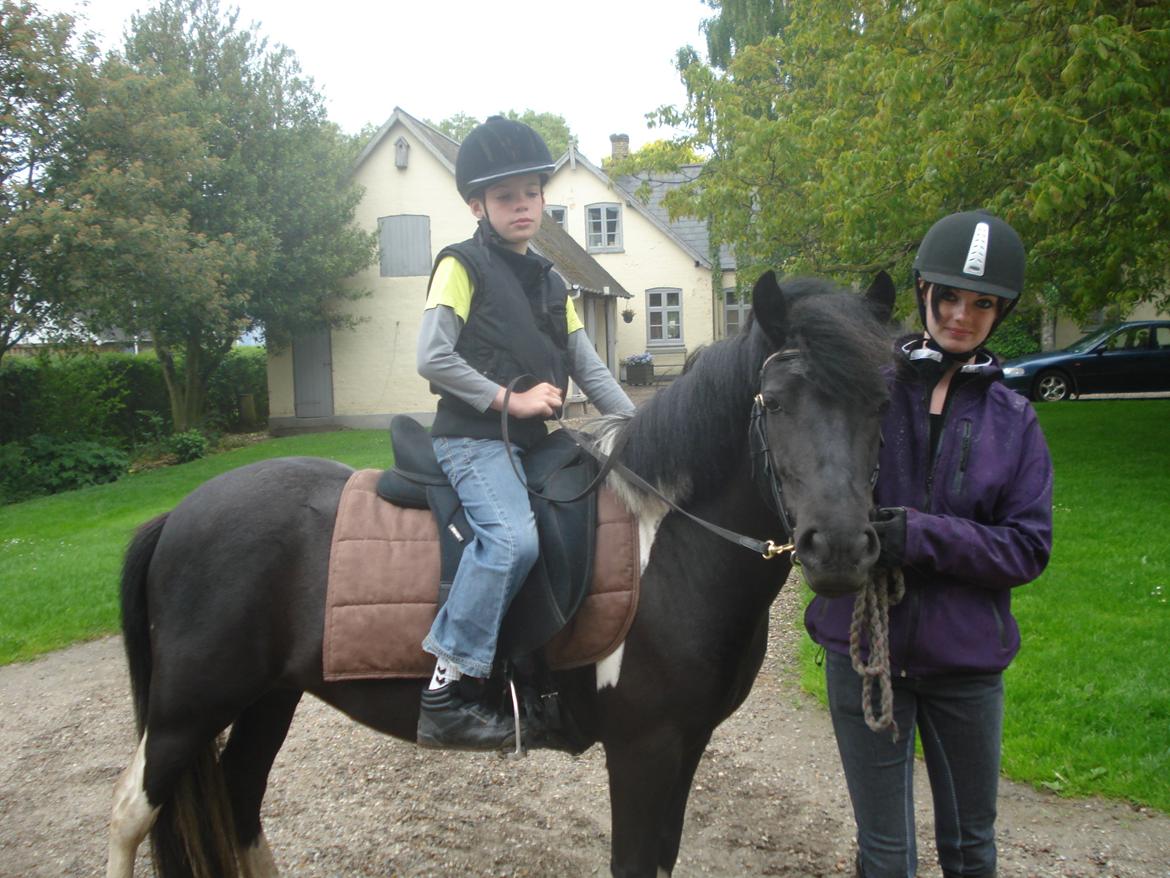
(764, 475)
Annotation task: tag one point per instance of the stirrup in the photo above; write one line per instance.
(521, 751)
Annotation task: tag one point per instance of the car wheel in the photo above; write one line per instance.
(1051, 386)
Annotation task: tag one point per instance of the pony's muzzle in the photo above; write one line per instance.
(837, 562)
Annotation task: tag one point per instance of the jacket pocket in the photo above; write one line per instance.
(964, 459)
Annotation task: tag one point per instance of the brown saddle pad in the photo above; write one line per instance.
(384, 587)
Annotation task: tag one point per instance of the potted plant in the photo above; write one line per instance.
(639, 368)
(628, 315)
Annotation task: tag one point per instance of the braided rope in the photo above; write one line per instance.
(871, 617)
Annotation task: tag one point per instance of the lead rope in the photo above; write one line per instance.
(871, 616)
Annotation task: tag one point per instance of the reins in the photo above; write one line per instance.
(766, 548)
(871, 618)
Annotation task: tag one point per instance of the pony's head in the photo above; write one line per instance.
(821, 400)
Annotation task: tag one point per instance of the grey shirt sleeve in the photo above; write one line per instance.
(594, 378)
(438, 362)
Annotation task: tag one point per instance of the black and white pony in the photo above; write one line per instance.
(223, 598)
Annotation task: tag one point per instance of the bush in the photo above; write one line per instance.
(188, 446)
(49, 465)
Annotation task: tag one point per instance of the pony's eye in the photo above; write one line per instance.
(772, 405)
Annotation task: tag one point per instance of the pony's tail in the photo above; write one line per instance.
(193, 835)
(135, 615)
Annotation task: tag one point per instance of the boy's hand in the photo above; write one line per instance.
(540, 401)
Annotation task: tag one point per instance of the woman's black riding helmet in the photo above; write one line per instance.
(497, 149)
(975, 251)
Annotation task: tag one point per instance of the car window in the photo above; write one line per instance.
(1088, 342)
(1120, 341)
(1162, 337)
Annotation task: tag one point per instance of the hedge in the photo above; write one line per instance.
(116, 399)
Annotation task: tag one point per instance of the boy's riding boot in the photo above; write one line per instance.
(451, 720)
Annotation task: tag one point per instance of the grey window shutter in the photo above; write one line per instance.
(405, 245)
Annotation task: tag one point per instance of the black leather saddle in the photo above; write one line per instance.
(556, 467)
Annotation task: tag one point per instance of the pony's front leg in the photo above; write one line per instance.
(131, 818)
(649, 779)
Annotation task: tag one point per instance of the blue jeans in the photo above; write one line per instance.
(502, 550)
(960, 718)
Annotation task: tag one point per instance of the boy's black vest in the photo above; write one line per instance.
(516, 326)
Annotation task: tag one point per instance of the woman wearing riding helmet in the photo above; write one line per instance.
(964, 503)
(495, 312)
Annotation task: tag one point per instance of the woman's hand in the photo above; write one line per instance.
(541, 401)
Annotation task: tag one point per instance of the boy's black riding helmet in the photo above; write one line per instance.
(973, 251)
(497, 149)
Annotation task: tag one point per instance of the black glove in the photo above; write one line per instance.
(889, 523)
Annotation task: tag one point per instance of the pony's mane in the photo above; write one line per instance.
(691, 435)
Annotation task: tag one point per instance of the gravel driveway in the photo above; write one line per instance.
(768, 798)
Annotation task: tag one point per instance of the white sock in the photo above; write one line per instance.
(445, 672)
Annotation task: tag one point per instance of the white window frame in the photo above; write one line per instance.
(658, 306)
(735, 303)
(553, 209)
(606, 241)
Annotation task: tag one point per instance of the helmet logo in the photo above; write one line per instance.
(976, 262)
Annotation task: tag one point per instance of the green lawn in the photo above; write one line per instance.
(60, 556)
(1088, 701)
(1088, 707)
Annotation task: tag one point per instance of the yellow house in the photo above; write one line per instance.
(360, 377)
(677, 294)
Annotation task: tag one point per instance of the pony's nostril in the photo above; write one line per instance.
(872, 545)
(812, 544)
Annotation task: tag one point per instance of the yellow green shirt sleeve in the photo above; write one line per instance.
(571, 319)
(451, 286)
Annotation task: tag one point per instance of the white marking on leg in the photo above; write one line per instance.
(258, 861)
(131, 816)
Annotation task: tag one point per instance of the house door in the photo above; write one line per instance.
(313, 375)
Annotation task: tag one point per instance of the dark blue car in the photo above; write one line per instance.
(1123, 358)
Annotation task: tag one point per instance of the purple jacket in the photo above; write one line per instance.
(978, 523)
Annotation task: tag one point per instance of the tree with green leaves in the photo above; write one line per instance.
(42, 68)
(551, 126)
(210, 196)
(859, 123)
(741, 23)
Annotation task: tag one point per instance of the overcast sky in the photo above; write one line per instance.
(602, 65)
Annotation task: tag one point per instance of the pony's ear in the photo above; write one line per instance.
(880, 297)
(770, 309)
